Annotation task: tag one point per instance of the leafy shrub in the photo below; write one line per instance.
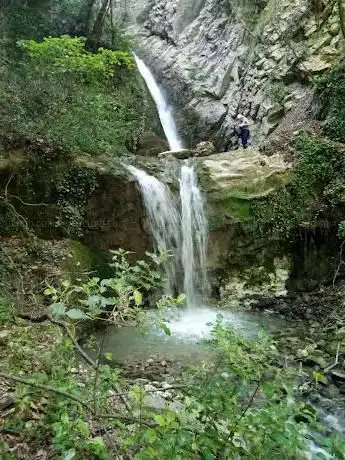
(61, 55)
(118, 298)
(278, 92)
(332, 88)
(240, 407)
(314, 189)
(76, 101)
(6, 314)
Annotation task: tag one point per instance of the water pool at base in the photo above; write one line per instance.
(188, 327)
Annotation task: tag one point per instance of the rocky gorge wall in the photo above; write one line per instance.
(217, 58)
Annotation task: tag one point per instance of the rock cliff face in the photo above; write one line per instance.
(217, 58)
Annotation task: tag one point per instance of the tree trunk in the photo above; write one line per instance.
(112, 24)
(342, 16)
(85, 17)
(97, 30)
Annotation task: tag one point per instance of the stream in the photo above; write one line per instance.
(137, 351)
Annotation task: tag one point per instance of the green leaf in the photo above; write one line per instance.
(181, 298)
(319, 377)
(76, 313)
(57, 309)
(138, 298)
(50, 290)
(159, 420)
(165, 329)
(108, 356)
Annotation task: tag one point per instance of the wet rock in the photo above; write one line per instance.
(182, 154)
(150, 144)
(315, 64)
(4, 336)
(176, 406)
(166, 385)
(331, 392)
(6, 401)
(141, 381)
(204, 149)
(319, 361)
(155, 402)
(245, 174)
(338, 375)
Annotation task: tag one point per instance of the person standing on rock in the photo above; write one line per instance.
(243, 130)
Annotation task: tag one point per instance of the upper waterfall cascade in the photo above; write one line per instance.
(163, 107)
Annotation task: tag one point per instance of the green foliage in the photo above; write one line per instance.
(341, 230)
(278, 92)
(59, 94)
(63, 425)
(238, 407)
(74, 436)
(332, 87)
(61, 55)
(74, 190)
(6, 313)
(317, 185)
(116, 299)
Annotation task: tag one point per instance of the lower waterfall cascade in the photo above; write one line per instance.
(178, 228)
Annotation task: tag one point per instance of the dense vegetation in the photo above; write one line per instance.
(316, 191)
(239, 406)
(73, 94)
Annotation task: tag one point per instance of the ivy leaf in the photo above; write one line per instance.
(165, 329)
(181, 298)
(57, 309)
(49, 290)
(76, 313)
(138, 298)
(319, 377)
(159, 420)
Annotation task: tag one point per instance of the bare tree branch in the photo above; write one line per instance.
(84, 404)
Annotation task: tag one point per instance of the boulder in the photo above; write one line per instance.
(149, 144)
(4, 335)
(338, 374)
(204, 149)
(182, 154)
(6, 401)
(245, 174)
(315, 64)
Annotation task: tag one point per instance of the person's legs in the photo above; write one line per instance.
(245, 137)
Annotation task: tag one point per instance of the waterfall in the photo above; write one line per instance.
(194, 236)
(163, 107)
(164, 220)
(179, 229)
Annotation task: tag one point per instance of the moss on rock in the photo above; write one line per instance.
(232, 180)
